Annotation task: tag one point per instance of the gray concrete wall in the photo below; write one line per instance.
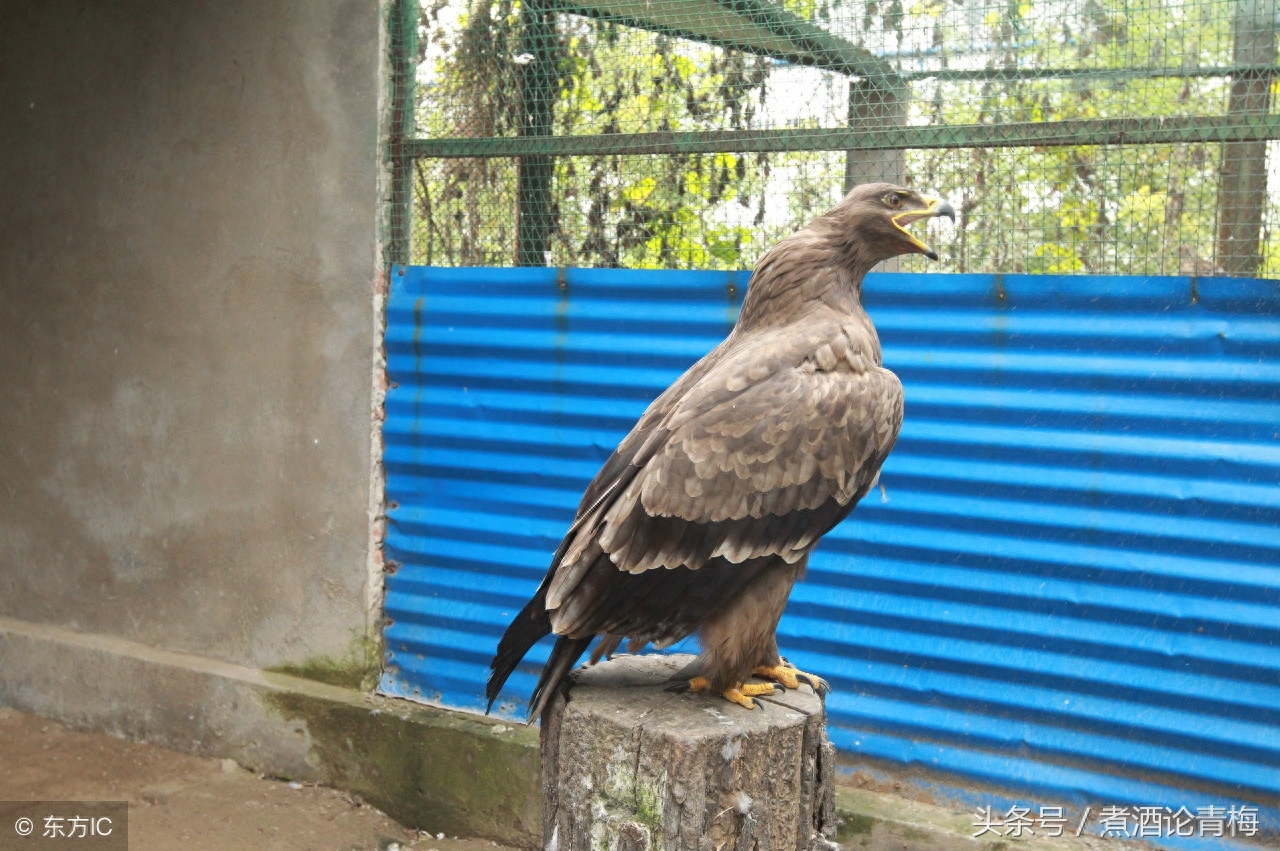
(188, 244)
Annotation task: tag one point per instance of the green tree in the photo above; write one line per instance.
(617, 210)
(1132, 209)
(1129, 209)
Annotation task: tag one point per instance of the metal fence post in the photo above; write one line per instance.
(876, 103)
(538, 81)
(403, 32)
(1242, 187)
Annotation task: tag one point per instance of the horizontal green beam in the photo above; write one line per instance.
(1102, 75)
(756, 26)
(1102, 131)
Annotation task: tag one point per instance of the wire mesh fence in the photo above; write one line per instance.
(1089, 136)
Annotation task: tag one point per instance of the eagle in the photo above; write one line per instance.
(704, 516)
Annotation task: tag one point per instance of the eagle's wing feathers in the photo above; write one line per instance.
(773, 436)
(768, 450)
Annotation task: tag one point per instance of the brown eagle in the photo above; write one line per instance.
(704, 516)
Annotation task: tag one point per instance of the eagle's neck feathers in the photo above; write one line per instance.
(820, 264)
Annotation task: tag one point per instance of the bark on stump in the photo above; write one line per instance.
(628, 766)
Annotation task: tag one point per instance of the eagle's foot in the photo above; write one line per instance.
(743, 694)
(789, 676)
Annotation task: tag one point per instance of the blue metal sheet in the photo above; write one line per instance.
(1070, 582)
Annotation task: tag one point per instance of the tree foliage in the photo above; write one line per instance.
(1133, 209)
(1130, 209)
(618, 210)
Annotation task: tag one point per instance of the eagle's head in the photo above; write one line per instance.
(828, 257)
(873, 219)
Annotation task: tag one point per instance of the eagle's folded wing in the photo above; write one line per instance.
(760, 458)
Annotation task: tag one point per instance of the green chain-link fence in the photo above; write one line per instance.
(1090, 136)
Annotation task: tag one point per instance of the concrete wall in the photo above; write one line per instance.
(188, 257)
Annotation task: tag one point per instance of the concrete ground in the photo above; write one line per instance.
(178, 801)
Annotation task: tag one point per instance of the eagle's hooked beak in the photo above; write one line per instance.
(933, 207)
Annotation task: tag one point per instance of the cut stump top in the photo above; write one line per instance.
(635, 687)
(628, 764)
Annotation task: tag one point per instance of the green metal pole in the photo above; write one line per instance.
(403, 32)
(1174, 130)
(538, 81)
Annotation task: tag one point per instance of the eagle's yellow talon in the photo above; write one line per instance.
(780, 673)
(742, 694)
(789, 677)
(754, 689)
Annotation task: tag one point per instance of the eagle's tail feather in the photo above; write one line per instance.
(526, 630)
(563, 656)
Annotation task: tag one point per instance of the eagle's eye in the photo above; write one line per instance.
(893, 199)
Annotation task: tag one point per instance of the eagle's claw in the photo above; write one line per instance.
(817, 683)
(788, 676)
(743, 694)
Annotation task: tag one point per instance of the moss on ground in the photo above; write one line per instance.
(427, 768)
(358, 669)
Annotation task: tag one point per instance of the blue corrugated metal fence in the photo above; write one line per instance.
(1069, 583)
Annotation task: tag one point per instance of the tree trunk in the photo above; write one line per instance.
(629, 766)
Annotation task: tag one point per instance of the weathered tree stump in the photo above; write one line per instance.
(629, 766)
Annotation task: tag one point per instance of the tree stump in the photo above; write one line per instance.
(629, 766)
